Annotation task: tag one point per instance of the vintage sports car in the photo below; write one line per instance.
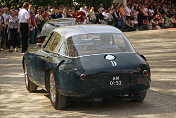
(51, 25)
(86, 61)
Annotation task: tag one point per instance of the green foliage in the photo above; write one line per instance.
(96, 3)
(69, 3)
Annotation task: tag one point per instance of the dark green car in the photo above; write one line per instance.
(87, 62)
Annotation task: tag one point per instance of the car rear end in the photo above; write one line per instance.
(97, 77)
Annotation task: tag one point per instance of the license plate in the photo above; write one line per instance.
(115, 81)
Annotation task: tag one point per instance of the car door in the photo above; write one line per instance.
(44, 57)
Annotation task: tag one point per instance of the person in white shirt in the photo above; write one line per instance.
(6, 15)
(106, 16)
(145, 11)
(128, 11)
(23, 27)
(151, 11)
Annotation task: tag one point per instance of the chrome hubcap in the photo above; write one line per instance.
(52, 88)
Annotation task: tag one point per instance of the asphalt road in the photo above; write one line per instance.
(158, 46)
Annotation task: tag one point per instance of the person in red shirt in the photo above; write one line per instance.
(33, 28)
(81, 16)
(146, 23)
(74, 15)
(45, 15)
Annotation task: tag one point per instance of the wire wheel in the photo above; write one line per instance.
(58, 101)
(52, 88)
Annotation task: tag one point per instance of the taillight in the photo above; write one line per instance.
(83, 76)
(40, 40)
(145, 73)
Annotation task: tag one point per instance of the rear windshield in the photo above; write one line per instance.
(88, 44)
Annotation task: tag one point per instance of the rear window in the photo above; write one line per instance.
(88, 44)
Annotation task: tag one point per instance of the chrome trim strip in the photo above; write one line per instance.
(96, 54)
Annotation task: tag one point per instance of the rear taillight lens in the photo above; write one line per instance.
(83, 76)
(39, 40)
(145, 73)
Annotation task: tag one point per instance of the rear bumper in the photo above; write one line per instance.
(95, 90)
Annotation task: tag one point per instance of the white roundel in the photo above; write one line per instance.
(110, 57)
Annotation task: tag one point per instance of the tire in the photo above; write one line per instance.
(30, 86)
(138, 97)
(58, 101)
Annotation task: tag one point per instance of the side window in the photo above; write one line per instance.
(53, 42)
(72, 51)
(64, 49)
(68, 48)
(56, 42)
(46, 40)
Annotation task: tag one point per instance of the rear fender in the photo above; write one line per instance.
(47, 74)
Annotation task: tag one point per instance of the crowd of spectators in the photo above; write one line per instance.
(133, 17)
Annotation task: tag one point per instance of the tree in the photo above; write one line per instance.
(69, 3)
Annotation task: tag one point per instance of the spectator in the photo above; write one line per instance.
(145, 11)
(101, 16)
(122, 13)
(74, 15)
(69, 13)
(135, 13)
(117, 18)
(13, 31)
(12, 7)
(60, 14)
(92, 16)
(101, 7)
(81, 16)
(25, 24)
(166, 21)
(1, 30)
(6, 21)
(88, 15)
(146, 23)
(151, 11)
(135, 22)
(161, 22)
(33, 28)
(128, 11)
(106, 17)
(49, 9)
(129, 24)
(54, 15)
(110, 18)
(46, 15)
(155, 22)
(40, 20)
(172, 22)
(64, 12)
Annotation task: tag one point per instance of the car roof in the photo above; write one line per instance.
(69, 31)
(62, 21)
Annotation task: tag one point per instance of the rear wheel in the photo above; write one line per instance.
(30, 86)
(138, 97)
(58, 101)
